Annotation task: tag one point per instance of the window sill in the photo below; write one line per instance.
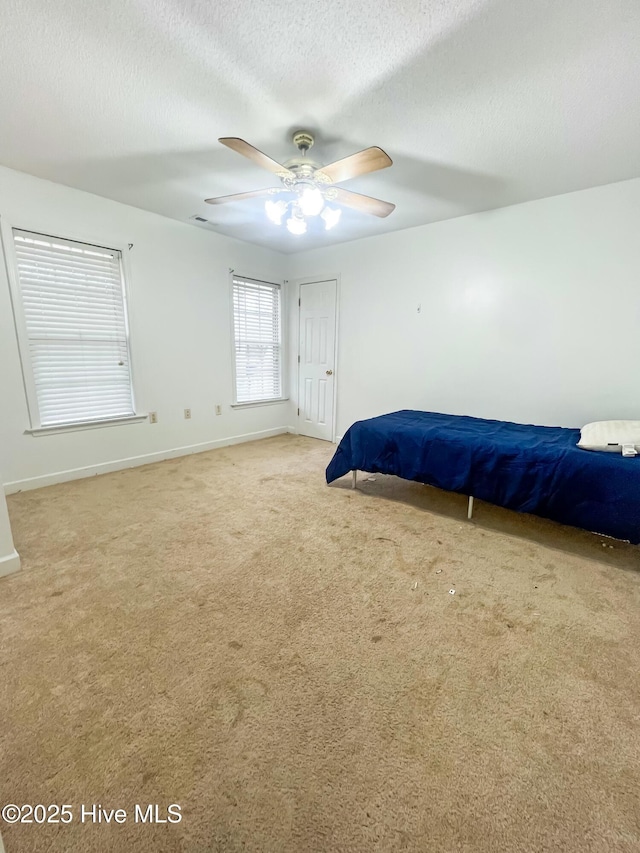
(253, 403)
(52, 430)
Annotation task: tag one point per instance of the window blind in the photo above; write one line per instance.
(257, 340)
(74, 310)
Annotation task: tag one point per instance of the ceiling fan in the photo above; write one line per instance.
(307, 186)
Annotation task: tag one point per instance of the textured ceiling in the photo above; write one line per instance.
(480, 103)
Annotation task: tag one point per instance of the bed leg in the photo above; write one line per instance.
(470, 507)
(354, 476)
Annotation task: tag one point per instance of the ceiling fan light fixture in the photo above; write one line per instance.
(331, 216)
(296, 225)
(275, 210)
(311, 200)
(308, 185)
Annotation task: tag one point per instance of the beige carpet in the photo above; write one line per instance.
(226, 633)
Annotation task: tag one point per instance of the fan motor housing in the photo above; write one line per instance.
(302, 167)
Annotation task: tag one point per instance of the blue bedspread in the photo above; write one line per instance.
(527, 468)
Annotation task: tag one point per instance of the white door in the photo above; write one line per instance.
(316, 359)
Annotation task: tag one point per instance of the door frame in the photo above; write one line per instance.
(298, 283)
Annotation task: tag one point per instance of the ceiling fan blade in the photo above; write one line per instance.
(369, 160)
(363, 203)
(223, 199)
(254, 154)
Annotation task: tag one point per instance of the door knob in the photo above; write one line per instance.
(329, 372)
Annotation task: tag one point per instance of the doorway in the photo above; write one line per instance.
(316, 359)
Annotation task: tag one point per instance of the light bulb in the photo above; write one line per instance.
(296, 225)
(311, 200)
(275, 210)
(331, 216)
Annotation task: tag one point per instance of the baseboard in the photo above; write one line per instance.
(135, 461)
(9, 565)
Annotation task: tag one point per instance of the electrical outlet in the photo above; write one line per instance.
(218, 409)
(153, 417)
(187, 413)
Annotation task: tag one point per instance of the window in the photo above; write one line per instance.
(257, 341)
(72, 298)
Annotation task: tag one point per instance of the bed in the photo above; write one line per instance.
(534, 469)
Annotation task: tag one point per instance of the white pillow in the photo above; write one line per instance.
(611, 436)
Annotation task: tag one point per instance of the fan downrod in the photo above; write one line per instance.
(303, 140)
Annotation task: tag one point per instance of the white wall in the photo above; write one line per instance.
(529, 313)
(9, 559)
(179, 304)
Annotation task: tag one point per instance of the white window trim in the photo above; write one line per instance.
(253, 403)
(283, 338)
(81, 426)
(11, 265)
